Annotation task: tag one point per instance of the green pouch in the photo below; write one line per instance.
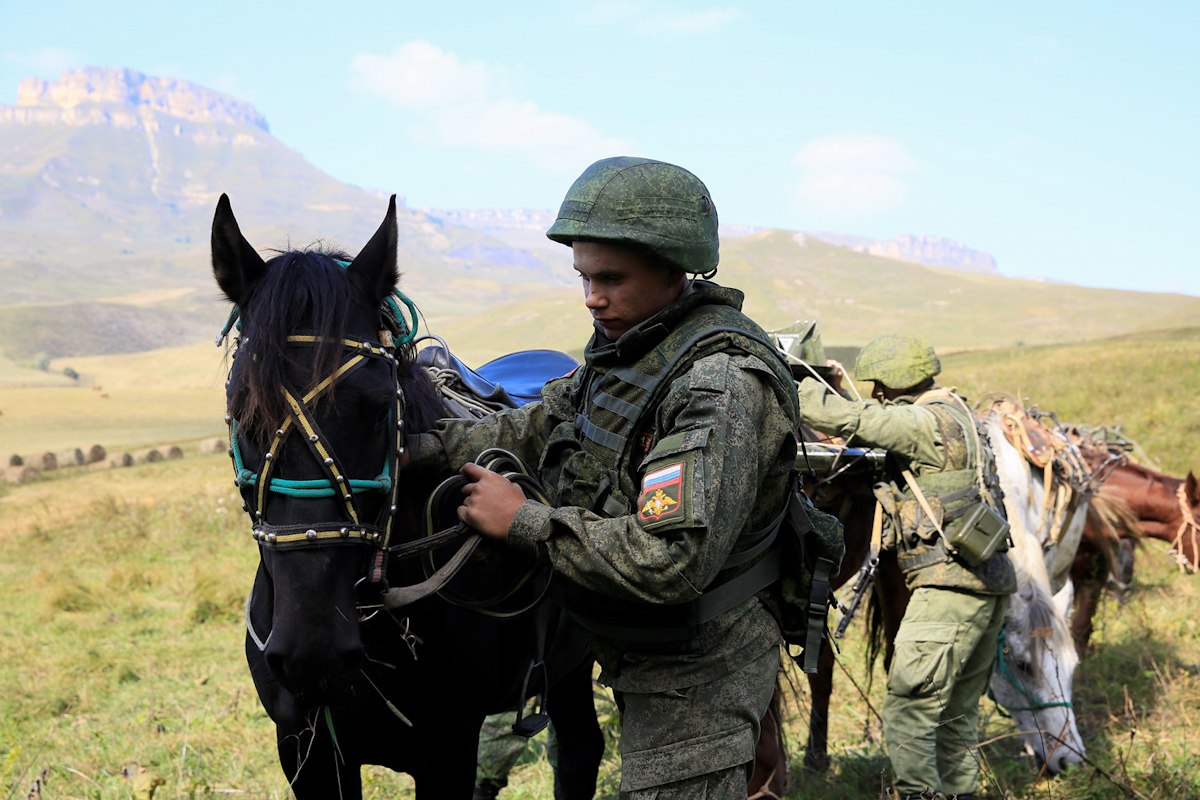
(977, 535)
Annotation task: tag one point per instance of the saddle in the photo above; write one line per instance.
(509, 381)
(1066, 479)
(1043, 446)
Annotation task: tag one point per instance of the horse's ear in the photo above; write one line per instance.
(373, 270)
(1193, 487)
(236, 264)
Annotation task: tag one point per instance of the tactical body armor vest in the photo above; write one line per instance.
(952, 494)
(593, 461)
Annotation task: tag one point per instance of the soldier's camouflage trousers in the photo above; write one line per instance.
(940, 669)
(698, 741)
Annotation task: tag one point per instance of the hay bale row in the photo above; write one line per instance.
(21, 469)
(49, 460)
(21, 473)
(122, 460)
(151, 455)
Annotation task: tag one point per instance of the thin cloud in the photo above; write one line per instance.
(853, 174)
(47, 62)
(457, 104)
(687, 23)
(420, 75)
(668, 22)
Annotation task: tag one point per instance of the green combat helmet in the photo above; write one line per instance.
(897, 361)
(640, 201)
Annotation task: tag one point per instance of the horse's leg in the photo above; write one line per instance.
(820, 685)
(1088, 573)
(445, 766)
(314, 768)
(770, 776)
(1124, 581)
(572, 710)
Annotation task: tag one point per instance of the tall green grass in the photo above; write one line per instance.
(121, 666)
(1147, 384)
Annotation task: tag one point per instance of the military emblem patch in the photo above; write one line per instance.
(661, 493)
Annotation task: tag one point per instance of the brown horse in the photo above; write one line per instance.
(1167, 507)
(1133, 502)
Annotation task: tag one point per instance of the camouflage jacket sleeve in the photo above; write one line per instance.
(899, 427)
(521, 431)
(723, 435)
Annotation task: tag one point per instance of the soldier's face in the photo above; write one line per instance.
(623, 286)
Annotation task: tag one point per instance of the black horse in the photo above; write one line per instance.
(322, 388)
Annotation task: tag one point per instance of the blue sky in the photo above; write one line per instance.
(1059, 137)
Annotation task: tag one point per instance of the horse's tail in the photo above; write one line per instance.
(1112, 520)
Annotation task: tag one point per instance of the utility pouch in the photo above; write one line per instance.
(977, 535)
(922, 519)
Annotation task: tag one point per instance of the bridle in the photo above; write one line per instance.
(352, 528)
(1187, 522)
(1005, 671)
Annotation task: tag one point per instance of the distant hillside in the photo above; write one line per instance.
(1147, 384)
(108, 180)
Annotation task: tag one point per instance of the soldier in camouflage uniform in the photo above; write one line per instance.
(667, 457)
(947, 640)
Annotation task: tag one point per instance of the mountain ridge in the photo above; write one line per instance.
(108, 178)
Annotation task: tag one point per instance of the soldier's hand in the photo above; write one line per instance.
(837, 372)
(490, 501)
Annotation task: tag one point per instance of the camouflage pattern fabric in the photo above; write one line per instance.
(940, 668)
(947, 640)
(644, 202)
(500, 749)
(737, 436)
(698, 741)
(919, 439)
(897, 361)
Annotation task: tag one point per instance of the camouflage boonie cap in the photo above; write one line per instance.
(644, 202)
(897, 361)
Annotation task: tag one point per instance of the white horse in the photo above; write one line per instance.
(1036, 659)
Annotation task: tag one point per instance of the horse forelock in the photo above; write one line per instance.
(1040, 620)
(302, 291)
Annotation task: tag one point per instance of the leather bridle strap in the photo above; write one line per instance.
(496, 460)
(302, 414)
(1187, 521)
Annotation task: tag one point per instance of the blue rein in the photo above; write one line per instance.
(1006, 672)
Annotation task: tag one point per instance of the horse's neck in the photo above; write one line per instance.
(1152, 497)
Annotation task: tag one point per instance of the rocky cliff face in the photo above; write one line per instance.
(123, 98)
(932, 251)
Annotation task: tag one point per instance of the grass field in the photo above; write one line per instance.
(121, 668)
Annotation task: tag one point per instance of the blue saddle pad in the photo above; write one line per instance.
(523, 374)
